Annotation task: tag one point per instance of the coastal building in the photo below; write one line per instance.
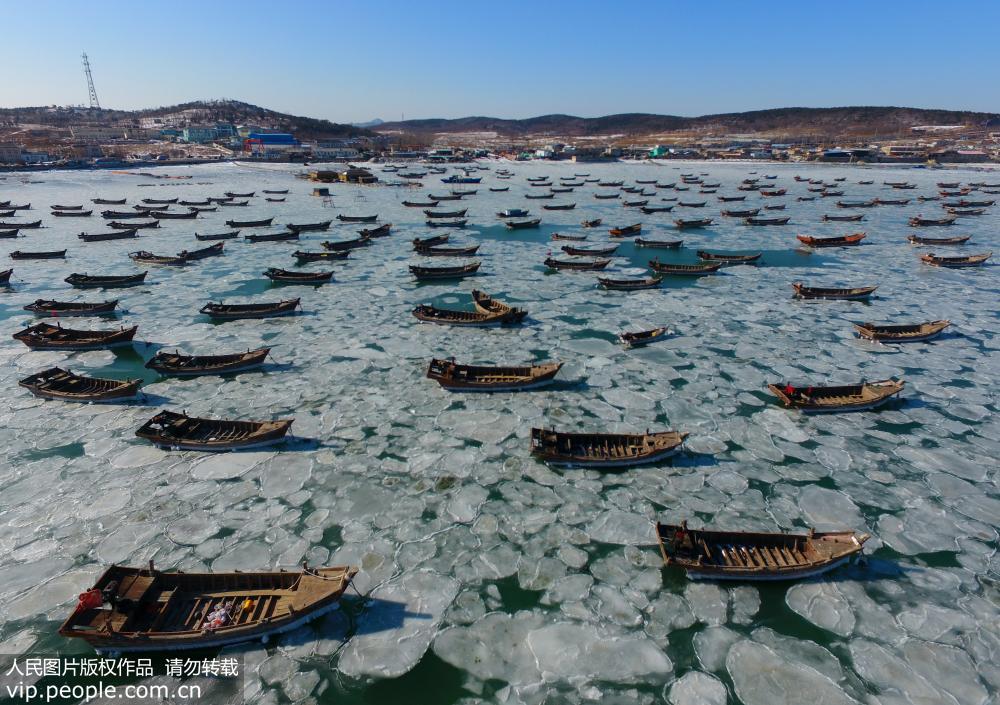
(321, 151)
(10, 153)
(271, 144)
(199, 135)
(35, 157)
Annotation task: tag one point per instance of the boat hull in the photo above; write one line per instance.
(796, 574)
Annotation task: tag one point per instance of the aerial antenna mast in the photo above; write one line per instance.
(94, 102)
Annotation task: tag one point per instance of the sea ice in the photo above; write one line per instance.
(398, 625)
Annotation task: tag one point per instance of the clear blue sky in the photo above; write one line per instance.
(349, 60)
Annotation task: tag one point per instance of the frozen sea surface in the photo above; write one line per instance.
(489, 577)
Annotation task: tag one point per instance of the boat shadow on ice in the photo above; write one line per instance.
(377, 615)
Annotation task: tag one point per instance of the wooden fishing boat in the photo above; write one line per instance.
(239, 195)
(5, 277)
(591, 223)
(62, 309)
(275, 200)
(164, 215)
(86, 281)
(541, 184)
(219, 199)
(170, 430)
(917, 240)
(210, 251)
(805, 198)
(499, 189)
(574, 265)
(432, 241)
(727, 258)
(125, 215)
(589, 252)
(694, 270)
(446, 214)
(341, 245)
(630, 284)
(745, 213)
(540, 196)
(205, 202)
(10, 233)
(304, 257)
(948, 184)
(918, 221)
(149, 209)
(380, 231)
(641, 338)
(852, 397)
(482, 378)
(731, 199)
(108, 201)
(892, 202)
(22, 207)
(561, 189)
(449, 197)
(965, 203)
(144, 257)
(956, 262)
(743, 555)
(57, 383)
(604, 450)
(692, 204)
(277, 192)
(445, 223)
(819, 292)
(357, 218)
(826, 193)
(685, 223)
(178, 365)
(232, 235)
(838, 241)
(444, 272)
(232, 204)
(160, 200)
(649, 210)
(610, 184)
(909, 333)
(966, 211)
(844, 218)
(284, 276)
(663, 244)
(513, 213)
(115, 225)
(772, 193)
(775, 207)
(625, 230)
(113, 235)
(448, 251)
(522, 224)
(571, 238)
(421, 204)
(72, 214)
(232, 312)
(34, 225)
(485, 303)
(767, 221)
(51, 254)
(559, 207)
(607, 196)
(273, 237)
(453, 317)
(636, 204)
(309, 227)
(45, 336)
(249, 223)
(665, 186)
